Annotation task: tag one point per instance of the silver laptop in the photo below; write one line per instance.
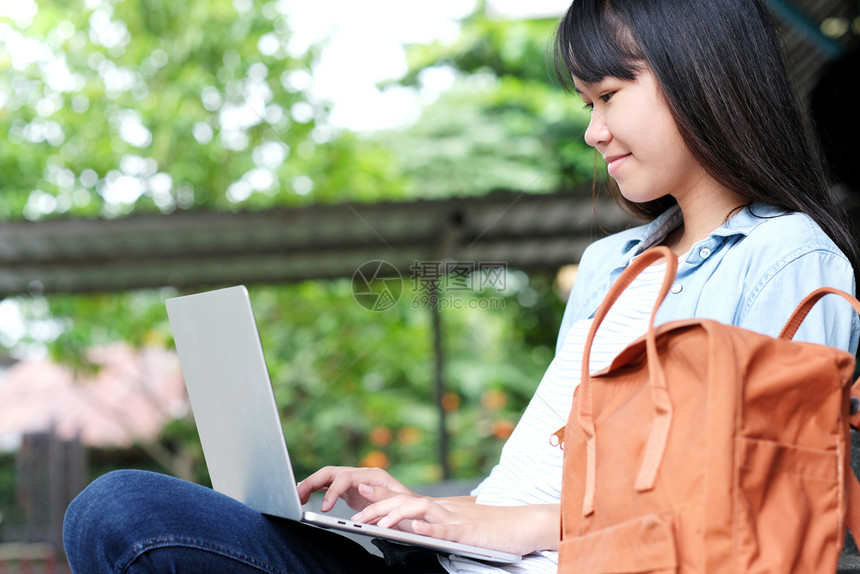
(237, 419)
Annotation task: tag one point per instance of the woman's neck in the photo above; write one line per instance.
(702, 212)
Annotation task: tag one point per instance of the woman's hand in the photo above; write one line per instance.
(345, 482)
(382, 500)
(517, 529)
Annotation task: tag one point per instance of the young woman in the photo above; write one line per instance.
(692, 110)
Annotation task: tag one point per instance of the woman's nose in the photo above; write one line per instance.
(597, 132)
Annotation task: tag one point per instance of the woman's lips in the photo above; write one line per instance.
(614, 162)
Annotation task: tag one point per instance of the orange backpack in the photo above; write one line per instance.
(707, 448)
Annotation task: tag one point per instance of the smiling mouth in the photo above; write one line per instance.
(614, 162)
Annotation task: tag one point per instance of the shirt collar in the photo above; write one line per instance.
(652, 233)
(747, 219)
(742, 223)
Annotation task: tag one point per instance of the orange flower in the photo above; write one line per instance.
(380, 436)
(409, 435)
(450, 401)
(375, 459)
(502, 429)
(494, 399)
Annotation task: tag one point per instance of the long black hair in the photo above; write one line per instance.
(721, 70)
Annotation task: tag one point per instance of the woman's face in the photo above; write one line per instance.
(632, 128)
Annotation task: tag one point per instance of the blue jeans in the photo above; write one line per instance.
(134, 521)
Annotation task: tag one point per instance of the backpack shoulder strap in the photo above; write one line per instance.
(852, 515)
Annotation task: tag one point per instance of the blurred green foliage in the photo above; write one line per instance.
(149, 105)
(133, 106)
(503, 124)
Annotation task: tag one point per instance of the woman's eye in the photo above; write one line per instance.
(602, 97)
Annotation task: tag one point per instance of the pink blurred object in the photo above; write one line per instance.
(129, 399)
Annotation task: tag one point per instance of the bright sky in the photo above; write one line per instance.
(366, 45)
(21, 11)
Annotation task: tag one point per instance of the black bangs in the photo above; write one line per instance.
(592, 42)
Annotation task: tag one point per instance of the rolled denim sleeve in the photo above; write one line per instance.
(831, 322)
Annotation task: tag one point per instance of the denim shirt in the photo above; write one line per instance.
(750, 272)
